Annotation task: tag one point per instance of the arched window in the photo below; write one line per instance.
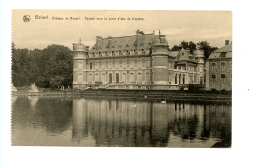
(183, 79)
(176, 79)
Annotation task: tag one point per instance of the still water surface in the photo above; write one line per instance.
(63, 121)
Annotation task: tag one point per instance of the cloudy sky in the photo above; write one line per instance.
(212, 26)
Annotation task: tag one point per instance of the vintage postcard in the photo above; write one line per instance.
(101, 78)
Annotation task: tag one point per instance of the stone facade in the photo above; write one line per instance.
(141, 61)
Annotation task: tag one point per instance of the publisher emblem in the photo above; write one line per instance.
(26, 18)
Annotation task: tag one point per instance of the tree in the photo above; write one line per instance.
(204, 45)
(44, 67)
(184, 44)
(175, 48)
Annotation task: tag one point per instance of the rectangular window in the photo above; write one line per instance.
(213, 80)
(117, 64)
(109, 64)
(201, 69)
(97, 65)
(117, 77)
(124, 64)
(223, 77)
(80, 65)
(90, 65)
(139, 63)
(131, 63)
(110, 78)
(213, 66)
(147, 63)
(223, 66)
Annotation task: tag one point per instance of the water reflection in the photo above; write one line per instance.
(130, 123)
(99, 122)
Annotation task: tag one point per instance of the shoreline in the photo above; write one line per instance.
(148, 95)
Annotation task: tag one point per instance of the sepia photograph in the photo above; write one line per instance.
(102, 78)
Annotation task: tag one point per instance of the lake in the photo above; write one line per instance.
(77, 121)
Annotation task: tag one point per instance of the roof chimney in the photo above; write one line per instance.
(226, 42)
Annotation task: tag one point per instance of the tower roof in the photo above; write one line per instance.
(79, 47)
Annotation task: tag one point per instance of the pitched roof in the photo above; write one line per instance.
(123, 43)
(185, 55)
(226, 48)
(225, 51)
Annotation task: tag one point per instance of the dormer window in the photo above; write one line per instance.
(222, 55)
(182, 54)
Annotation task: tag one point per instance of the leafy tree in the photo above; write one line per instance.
(45, 67)
(175, 48)
(184, 44)
(204, 45)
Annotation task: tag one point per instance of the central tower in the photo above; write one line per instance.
(160, 54)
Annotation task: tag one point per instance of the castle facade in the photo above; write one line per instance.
(140, 61)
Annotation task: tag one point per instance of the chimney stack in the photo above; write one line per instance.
(226, 42)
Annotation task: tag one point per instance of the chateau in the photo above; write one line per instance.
(219, 69)
(140, 61)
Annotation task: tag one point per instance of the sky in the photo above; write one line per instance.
(212, 26)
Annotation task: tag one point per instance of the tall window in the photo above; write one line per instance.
(80, 77)
(223, 66)
(139, 63)
(124, 77)
(131, 77)
(223, 77)
(131, 63)
(117, 77)
(201, 69)
(90, 65)
(213, 66)
(124, 64)
(80, 65)
(117, 64)
(147, 63)
(147, 77)
(139, 77)
(213, 79)
(110, 78)
(97, 63)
